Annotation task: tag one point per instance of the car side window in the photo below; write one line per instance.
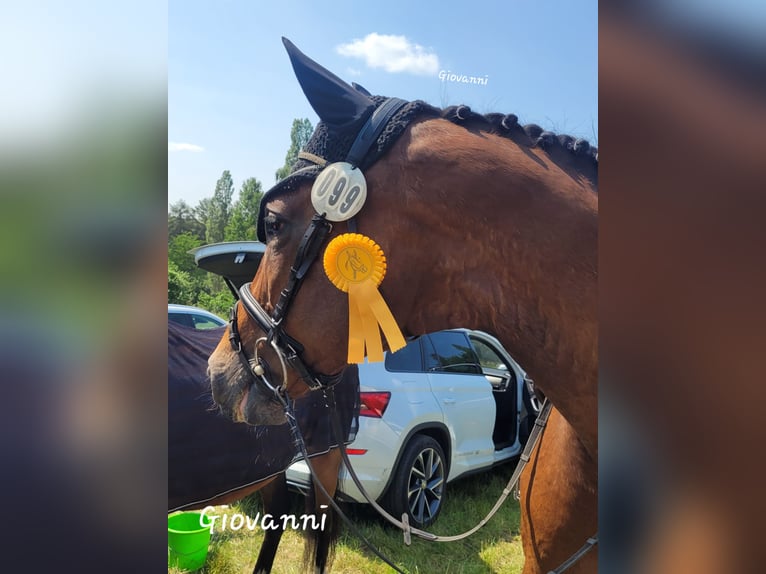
(182, 319)
(201, 322)
(489, 358)
(407, 359)
(452, 353)
(430, 356)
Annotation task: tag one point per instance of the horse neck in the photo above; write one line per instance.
(507, 243)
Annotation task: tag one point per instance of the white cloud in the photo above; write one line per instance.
(392, 53)
(178, 146)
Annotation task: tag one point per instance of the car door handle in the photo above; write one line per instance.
(449, 401)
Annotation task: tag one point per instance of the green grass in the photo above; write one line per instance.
(494, 548)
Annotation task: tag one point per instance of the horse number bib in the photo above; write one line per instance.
(339, 191)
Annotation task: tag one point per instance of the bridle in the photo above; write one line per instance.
(288, 350)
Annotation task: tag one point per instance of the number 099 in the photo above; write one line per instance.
(337, 194)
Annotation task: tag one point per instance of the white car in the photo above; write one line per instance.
(193, 317)
(448, 404)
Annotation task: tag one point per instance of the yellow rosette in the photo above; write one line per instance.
(356, 265)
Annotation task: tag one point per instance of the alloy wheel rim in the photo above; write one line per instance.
(426, 485)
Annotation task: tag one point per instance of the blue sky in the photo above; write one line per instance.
(232, 95)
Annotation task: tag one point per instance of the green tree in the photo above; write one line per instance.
(180, 289)
(244, 214)
(202, 213)
(193, 280)
(182, 219)
(219, 210)
(178, 252)
(300, 134)
(220, 303)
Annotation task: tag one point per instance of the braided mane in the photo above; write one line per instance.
(333, 145)
(577, 152)
(581, 154)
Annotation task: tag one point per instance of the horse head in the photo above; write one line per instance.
(317, 319)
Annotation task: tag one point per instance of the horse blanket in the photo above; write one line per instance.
(208, 454)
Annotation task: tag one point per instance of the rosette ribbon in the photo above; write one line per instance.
(356, 265)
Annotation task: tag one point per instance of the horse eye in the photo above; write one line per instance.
(273, 226)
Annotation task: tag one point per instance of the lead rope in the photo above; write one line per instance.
(403, 525)
(511, 487)
(569, 562)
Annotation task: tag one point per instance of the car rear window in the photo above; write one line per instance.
(407, 359)
(202, 322)
(182, 319)
(195, 320)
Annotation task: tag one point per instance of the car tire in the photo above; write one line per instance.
(418, 486)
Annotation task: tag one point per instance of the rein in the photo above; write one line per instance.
(404, 526)
(298, 439)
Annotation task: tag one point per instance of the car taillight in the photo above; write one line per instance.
(356, 450)
(374, 404)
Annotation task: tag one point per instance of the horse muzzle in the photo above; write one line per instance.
(239, 399)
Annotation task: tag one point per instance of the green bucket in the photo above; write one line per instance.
(187, 541)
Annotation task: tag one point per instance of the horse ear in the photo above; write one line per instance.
(360, 88)
(334, 101)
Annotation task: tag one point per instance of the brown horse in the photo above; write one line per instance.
(484, 224)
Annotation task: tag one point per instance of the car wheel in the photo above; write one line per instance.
(419, 484)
